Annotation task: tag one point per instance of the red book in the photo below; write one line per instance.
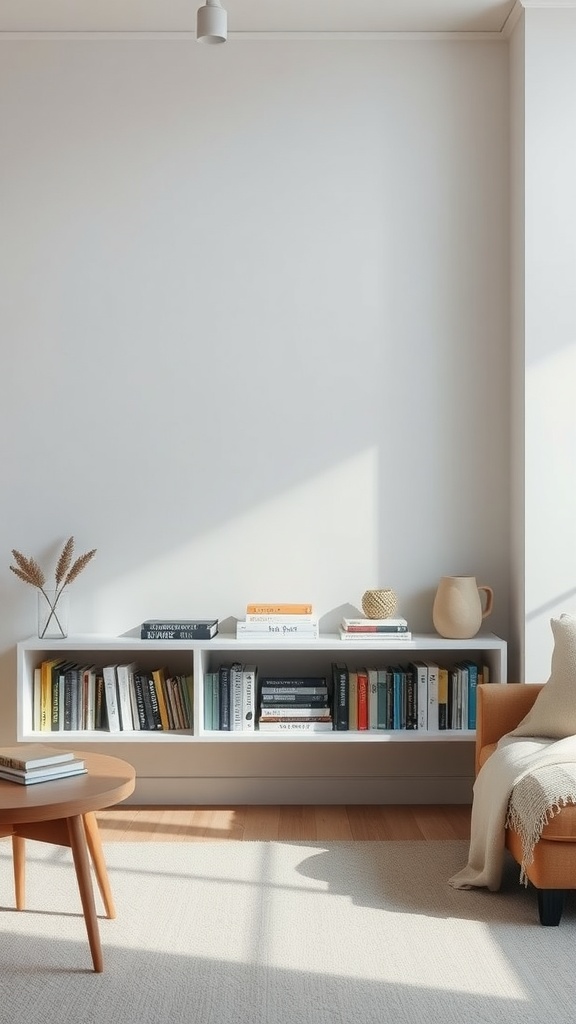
(362, 698)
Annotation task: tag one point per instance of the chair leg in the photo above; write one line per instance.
(550, 905)
(19, 866)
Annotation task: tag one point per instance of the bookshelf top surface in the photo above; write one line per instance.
(223, 641)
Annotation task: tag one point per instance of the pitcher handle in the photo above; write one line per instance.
(489, 600)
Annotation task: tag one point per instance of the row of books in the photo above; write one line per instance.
(31, 763)
(116, 698)
(417, 695)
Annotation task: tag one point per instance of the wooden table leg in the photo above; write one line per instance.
(82, 866)
(97, 854)
(19, 866)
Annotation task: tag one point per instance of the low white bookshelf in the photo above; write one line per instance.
(212, 766)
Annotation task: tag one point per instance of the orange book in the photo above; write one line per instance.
(279, 609)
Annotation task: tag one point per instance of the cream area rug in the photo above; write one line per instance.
(282, 933)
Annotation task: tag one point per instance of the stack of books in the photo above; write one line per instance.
(278, 622)
(36, 762)
(294, 704)
(375, 629)
(178, 629)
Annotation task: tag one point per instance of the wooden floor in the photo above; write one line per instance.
(210, 824)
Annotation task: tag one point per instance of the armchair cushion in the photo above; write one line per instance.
(553, 714)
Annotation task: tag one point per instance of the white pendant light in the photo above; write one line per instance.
(211, 23)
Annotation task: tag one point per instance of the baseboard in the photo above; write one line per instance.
(235, 791)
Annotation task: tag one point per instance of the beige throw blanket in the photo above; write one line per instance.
(552, 763)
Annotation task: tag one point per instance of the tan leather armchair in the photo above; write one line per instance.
(500, 707)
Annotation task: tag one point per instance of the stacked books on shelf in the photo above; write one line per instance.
(295, 704)
(179, 629)
(375, 629)
(70, 697)
(31, 763)
(278, 622)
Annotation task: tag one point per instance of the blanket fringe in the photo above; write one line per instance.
(530, 831)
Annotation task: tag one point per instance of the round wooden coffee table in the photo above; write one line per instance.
(62, 812)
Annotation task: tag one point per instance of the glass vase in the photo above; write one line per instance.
(53, 609)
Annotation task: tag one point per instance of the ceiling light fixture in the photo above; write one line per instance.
(211, 23)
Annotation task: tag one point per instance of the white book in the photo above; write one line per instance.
(249, 681)
(276, 631)
(372, 698)
(391, 639)
(294, 712)
(236, 681)
(37, 700)
(124, 676)
(319, 726)
(433, 722)
(89, 720)
(111, 694)
(29, 780)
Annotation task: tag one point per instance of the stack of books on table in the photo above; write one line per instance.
(36, 762)
(278, 622)
(375, 629)
(294, 704)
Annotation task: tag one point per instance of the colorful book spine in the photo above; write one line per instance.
(224, 691)
(442, 697)
(472, 685)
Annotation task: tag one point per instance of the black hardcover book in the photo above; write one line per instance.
(179, 629)
(224, 697)
(292, 682)
(70, 690)
(139, 688)
(341, 697)
(411, 701)
(100, 714)
(152, 709)
(306, 700)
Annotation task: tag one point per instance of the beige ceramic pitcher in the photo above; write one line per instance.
(458, 609)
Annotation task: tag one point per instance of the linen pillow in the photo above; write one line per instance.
(553, 714)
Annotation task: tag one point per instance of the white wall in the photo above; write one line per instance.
(253, 323)
(550, 329)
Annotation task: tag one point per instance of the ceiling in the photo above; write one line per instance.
(252, 16)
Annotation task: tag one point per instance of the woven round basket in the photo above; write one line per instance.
(379, 604)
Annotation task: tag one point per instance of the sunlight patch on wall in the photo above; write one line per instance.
(550, 500)
(309, 543)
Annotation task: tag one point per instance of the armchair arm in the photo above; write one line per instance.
(500, 707)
